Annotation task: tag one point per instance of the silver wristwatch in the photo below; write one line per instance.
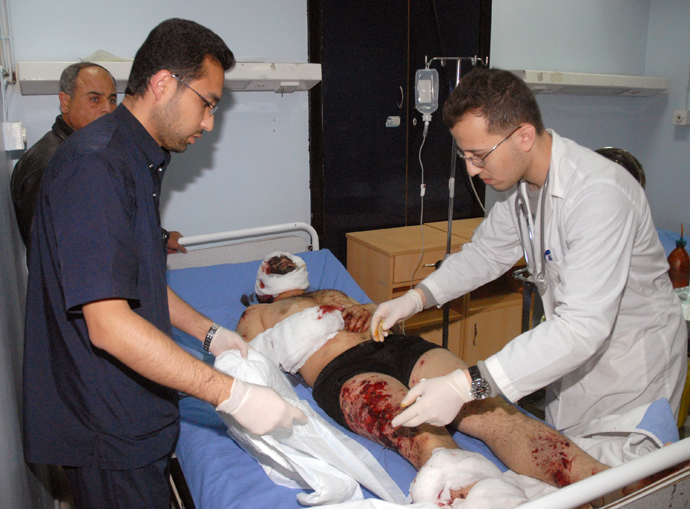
(480, 388)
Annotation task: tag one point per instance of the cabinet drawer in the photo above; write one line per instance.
(403, 265)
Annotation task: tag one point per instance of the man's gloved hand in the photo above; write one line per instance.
(260, 409)
(438, 400)
(393, 311)
(226, 339)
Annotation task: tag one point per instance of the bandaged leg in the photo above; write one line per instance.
(369, 403)
(457, 478)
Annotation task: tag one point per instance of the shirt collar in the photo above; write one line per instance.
(559, 167)
(156, 155)
(61, 128)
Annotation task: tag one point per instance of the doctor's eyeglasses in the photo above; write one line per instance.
(212, 108)
(478, 162)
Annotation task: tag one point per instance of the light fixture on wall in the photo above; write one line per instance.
(43, 78)
(578, 83)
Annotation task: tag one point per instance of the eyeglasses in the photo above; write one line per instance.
(212, 108)
(478, 162)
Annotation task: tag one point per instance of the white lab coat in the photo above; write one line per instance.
(615, 337)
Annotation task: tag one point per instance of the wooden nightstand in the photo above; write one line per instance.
(481, 323)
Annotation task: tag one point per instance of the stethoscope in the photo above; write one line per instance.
(535, 265)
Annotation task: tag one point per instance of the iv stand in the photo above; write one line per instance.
(451, 180)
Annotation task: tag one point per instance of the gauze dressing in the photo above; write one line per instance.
(271, 285)
(453, 469)
(292, 341)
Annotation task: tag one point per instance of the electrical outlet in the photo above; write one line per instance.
(681, 117)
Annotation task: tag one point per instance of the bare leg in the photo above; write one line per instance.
(527, 446)
(371, 400)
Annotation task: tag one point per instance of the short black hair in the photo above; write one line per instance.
(68, 78)
(180, 46)
(499, 96)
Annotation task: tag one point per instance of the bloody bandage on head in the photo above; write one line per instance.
(280, 272)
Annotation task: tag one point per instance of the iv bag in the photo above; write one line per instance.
(426, 91)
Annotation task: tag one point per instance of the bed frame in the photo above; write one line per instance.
(255, 243)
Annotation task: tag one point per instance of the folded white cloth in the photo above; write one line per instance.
(292, 341)
(313, 456)
(453, 469)
(274, 284)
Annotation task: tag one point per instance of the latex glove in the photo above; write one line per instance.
(260, 409)
(393, 311)
(226, 339)
(438, 400)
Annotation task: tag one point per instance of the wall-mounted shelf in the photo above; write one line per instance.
(43, 78)
(576, 83)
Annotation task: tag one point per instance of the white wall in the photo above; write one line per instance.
(253, 169)
(635, 37)
(664, 146)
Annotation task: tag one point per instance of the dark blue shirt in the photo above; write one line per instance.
(97, 235)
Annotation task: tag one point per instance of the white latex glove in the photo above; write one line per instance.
(438, 400)
(226, 339)
(260, 409)
(393, 311)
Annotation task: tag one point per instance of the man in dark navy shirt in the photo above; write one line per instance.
(101, 373)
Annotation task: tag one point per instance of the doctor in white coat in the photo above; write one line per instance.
(614, 336)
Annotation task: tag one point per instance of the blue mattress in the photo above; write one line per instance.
(218, 472)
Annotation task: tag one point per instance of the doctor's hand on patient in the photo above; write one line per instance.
(260, 409)
(226, 339)
(438, 400)
(393, 311)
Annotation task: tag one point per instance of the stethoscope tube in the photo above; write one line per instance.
(535, 265)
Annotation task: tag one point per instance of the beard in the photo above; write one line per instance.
(167, 120)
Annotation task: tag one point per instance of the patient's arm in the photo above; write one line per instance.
(357, 316)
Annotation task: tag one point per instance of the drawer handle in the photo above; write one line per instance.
(474, 341)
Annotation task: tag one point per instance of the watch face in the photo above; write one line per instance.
(480, 389)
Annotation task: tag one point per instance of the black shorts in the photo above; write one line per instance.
(395, 357)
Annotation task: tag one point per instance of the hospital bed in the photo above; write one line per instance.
(219, 474)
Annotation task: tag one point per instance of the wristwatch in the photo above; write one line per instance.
(480, 388)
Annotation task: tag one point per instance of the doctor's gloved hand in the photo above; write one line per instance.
(438, 400)
(226, 339)
(260, 409)
(393, 311)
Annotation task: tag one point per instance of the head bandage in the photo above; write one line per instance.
(291, 342)
(271, 285)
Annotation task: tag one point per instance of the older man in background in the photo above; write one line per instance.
(87, 92)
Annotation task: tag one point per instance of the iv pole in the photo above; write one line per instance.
(451, 181)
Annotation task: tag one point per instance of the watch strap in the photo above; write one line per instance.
(479, 388)
(486, 375)
(210, 335)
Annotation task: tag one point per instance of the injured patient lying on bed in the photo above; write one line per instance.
(360, 383)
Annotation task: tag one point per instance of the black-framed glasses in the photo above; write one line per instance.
(478, 162)
(212, 108)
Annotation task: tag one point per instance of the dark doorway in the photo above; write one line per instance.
(364, 174)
